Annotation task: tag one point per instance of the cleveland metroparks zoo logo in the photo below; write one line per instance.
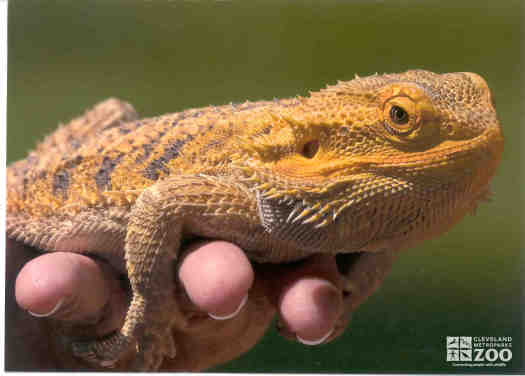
(479, 351)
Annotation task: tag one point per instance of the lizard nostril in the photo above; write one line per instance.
(310, 149)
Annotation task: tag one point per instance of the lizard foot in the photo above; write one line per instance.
(102, 352)
(152, 349)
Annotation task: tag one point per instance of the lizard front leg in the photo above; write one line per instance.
(362, 274)
(152, 243)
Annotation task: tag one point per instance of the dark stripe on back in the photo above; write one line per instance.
(103, 176)
(148, 148)
(62, 177)
(172, 151)
(61, 181)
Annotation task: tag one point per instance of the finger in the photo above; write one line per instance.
(309, 308)
(65, 286)
(310, 300)
(216, 276)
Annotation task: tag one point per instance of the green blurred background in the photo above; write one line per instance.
(165, 56)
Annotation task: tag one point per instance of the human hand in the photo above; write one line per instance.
(214, 279)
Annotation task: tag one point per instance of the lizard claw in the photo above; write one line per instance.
(151, 351)
(103, 352)
(106, 352)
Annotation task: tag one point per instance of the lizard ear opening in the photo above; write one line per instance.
(310, 149)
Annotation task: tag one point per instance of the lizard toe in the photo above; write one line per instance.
(102, 352)
(152, 350)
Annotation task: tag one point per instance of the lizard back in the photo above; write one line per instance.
(111, 157)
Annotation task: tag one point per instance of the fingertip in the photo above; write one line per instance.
(309, 308)
(217, 276)
(62, 285)
(36, 286)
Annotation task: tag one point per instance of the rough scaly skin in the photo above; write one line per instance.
(363, 169)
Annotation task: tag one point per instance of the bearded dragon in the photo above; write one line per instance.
(361, 169)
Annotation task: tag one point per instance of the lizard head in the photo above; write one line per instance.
(388, 159)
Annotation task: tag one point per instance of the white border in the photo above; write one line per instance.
(3, 122)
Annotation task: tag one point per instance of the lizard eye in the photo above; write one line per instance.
(400, 117)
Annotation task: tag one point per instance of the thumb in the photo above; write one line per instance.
(65, 286)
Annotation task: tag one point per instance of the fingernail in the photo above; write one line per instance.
(231, 315)
(52, 312)
(314, 342)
